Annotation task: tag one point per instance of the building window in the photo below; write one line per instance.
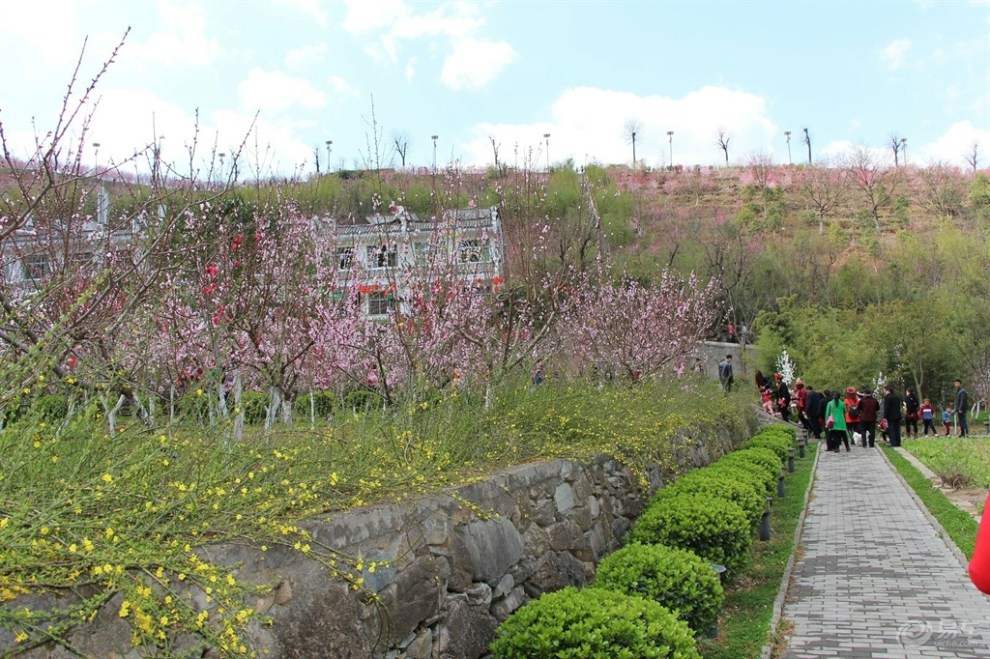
(473, 251)
(380, 303)
(382, 256)
(345, 258)
(36, 266)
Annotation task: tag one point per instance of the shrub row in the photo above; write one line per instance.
(652, 596)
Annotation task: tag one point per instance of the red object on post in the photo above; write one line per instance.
(979, 566)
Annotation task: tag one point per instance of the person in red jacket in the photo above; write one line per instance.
(801, 393)
(869, 408)
(852, 414)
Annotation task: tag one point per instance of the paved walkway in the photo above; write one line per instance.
(873, 578)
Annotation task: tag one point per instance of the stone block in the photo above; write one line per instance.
(564, 535)
(466, 633)
(503, 608)
(493, 546)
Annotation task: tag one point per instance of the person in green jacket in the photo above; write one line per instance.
(836, 410)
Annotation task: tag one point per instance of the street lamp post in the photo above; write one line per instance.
(904, 149)
(329, 145)
(787, 136)
(96, 151)
(222, 156)
(546, 136)
(434, 138)
(670, 143)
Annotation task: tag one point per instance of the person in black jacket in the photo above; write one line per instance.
(890, 409)
(813, 410)
(962, 407)
(782, 396)
(911, 407)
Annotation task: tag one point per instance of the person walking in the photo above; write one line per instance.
(869, 407)
(725, 373)
(947, 420)
(835, 422)
(911, 414)
(782, 395)
(802, 403)
(851, 403)
(890, 411)
(962, 409)
(813, 406)
(927, 413)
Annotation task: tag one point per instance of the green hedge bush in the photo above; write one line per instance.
(747, 493)
(761, 456)
(677, 579)
(755, 476)
(779, 444)
(714, 529)
(594, 623)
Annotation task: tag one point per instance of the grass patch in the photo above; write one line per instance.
(130, 516)
(959, 462)
(744, 623)
(960, 525)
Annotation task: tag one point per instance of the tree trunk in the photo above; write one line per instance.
(239, 416)
(274, 403)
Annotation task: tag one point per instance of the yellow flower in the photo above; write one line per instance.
(107, 478)
(4, 522)
(125, 609)
(21, 637)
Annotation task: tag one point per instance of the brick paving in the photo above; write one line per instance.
(873, 577)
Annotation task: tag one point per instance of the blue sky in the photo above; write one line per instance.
(854, 73)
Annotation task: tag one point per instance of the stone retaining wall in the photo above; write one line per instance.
(455, 564)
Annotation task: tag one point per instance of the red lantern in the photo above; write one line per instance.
(979, 566)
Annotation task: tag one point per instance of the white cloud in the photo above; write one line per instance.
(471, 61)
(955, 144)
(311, 8)
(49, 26)
(474, 63)
(182, 40)
(339, 86)
(895, 52)
(368, 15)
(410, 69)
(588, 124)
(275, 91)
(306, 56)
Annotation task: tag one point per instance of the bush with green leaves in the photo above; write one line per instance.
(747, 493)
(594, 623)
(763, 483)
(779, 444)
(761, 456)
(715, 529)
(678, 579)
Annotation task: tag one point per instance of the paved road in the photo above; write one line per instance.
(873, 578)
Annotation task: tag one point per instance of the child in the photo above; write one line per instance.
(947, 420)
(767, 400)
(928, 417)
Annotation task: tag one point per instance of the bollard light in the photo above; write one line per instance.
(780, 486)
(764, 532)
(790, 461)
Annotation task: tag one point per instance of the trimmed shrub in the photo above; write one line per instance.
(756, 476)
(593, 623)
(714, 529)
(779, 444)
(761, 456)
(747, 493)
(677, 579)
(779, 429)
